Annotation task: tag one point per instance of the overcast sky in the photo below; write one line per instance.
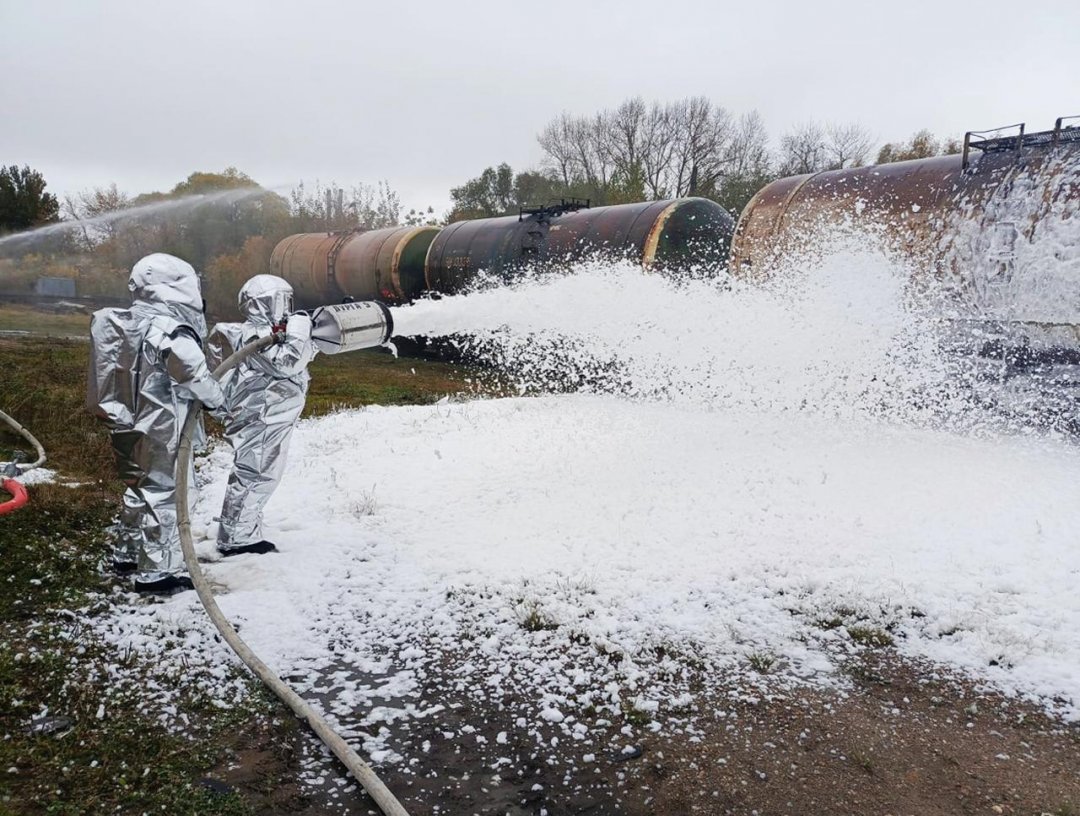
(427, 94)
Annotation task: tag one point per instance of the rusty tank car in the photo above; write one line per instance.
(398, 264)
(996, 226)
(326, 267)
(675, 236)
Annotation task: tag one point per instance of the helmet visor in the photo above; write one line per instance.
(283, 306)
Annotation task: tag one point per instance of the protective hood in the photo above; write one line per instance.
(164, 284)
(161, 278)
(266, 300)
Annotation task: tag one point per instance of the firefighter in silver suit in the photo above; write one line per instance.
(264, 396)
(146, 370)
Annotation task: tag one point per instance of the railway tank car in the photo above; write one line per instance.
(325, 267)
(398, 264)
(674, 236)
(996, 228)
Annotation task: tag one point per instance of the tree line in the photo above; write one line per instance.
(642, 151)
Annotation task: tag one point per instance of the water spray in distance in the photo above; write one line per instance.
(169, 207)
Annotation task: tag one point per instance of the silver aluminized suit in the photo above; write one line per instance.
(146, 368)
(264, 396)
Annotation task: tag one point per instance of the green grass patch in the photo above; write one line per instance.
(863, 760)
(53, 548)
(43, 386)
(829, 624)
(376, 377)
(43, 321)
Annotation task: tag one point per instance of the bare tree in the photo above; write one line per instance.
(810, 148)
(582, 150)
(750, 163)
(595, 150)
(374, 207)
(365, 206)
(748, 152)
(658, 146)
(71, 210)
(803, 150)
(847, 145)
(557, 142)
(626, 129)
(702, 135)
(685, 147)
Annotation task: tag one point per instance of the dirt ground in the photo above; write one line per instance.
(903, 739)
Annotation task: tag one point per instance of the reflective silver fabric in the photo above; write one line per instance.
(146, 368)
(266, 299)
(264, 396)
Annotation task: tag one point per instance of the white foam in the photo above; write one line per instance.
(841, 337)
(749, 463)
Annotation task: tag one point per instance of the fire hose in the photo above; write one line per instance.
(7, 481)
(360, 770)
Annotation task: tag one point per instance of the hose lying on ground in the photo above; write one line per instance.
(357, 767)
(29, 437)
(19, 496)
(7, 482)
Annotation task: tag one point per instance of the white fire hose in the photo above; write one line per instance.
(29, 437)
(10, 471)
(354, 330)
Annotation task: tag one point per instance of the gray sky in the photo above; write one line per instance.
(427, 94)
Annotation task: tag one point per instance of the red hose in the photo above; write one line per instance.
(19, 496)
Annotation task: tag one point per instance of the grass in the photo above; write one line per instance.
(107, 755)
(376, 377)
(762, 662)
(828, 624)
(53, 548)
(42, 322)
(861, 673)
(533, 618)
(43, 386)
(862, 760)
(870, 636)
(125, 761)
(634, 715)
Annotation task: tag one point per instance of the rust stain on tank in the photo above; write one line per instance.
(914, 204)
(973, 221)
(384, 264)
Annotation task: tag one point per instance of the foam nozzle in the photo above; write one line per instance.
(351, 326)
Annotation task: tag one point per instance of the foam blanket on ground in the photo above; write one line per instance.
(634, 523)
(762, 483)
